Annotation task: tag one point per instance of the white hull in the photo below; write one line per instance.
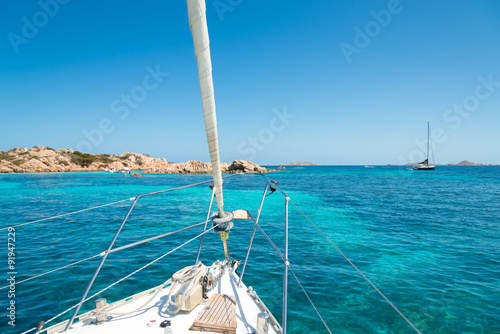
(424, 167)
(247, 309)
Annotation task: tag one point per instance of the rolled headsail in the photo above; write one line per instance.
(199, 30)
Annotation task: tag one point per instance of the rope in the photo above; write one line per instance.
(51, 271)
(317, 312)
(188, 276)
(359, 271)
(122, 279)
(70, 213)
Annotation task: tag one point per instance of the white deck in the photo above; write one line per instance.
(247, 309)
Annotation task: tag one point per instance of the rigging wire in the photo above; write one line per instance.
(317, 312)
(432, 148)
(112, 251)
(359, 271)
(123, 278)
(124, 200)
(70, 213)
(51, 271)
(189, 241)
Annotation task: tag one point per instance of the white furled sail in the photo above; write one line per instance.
(199, 30)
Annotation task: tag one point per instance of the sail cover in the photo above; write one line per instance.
(199, 30)
(425, 162)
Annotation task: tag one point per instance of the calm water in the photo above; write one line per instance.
(428, 240)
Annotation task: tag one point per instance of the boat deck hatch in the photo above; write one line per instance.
(218, 316)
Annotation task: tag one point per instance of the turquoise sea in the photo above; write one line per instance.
(429, 240)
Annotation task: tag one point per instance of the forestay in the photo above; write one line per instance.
(199, 30)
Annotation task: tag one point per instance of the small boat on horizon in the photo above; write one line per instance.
(424, 165)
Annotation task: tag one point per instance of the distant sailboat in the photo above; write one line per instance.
(424, 165)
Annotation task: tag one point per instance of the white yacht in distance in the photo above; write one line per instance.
(424, 165)
(198, 298)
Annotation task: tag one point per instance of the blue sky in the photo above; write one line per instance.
(332, 82)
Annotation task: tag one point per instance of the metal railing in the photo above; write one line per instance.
(110, 247)
(282, 255)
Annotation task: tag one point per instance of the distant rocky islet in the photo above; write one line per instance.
(42, 159)
(301, 164)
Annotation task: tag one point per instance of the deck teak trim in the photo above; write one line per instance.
(218, 316)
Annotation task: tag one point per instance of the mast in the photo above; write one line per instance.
(428, 140)
(199, 30)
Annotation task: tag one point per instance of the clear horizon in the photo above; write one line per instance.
(333, 83)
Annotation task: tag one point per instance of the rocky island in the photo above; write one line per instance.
(469, 163)
(42, 159)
